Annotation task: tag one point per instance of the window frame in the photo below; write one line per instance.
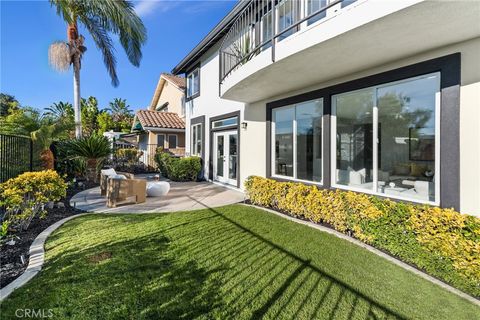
(294, 149)
(374, 190)
(191, 74)
(449, 67)
(193, 143)
(158, 137)
(176, 140)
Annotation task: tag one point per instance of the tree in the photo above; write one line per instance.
(7, 103)
(100, 18)
(121, 114)
(22, 121)
(60, 110)
(89, 114)
(93, 149)
(105, 122)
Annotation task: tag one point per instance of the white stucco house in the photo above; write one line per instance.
(379, 97)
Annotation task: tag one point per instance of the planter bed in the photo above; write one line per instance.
(11, 265)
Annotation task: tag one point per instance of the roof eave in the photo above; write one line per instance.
(213, 35)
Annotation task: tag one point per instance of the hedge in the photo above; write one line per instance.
(178, 169)
(442, 242)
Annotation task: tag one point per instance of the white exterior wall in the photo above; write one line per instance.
(209, 102)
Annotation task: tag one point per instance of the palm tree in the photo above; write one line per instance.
(100, 18)
(119, 109)
(60, 110)
(93, 150)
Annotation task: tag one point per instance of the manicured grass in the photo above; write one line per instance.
(231, 262)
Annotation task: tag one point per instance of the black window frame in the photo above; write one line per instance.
(449, 67)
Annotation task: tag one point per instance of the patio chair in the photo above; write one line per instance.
(105, 174)
(118, 190)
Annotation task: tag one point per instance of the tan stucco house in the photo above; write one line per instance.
(163, 123)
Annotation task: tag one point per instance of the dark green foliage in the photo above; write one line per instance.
(178, 169)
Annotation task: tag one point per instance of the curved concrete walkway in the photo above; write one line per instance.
(182, 196)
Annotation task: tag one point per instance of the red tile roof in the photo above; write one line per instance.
(159, 119)
(178, 81)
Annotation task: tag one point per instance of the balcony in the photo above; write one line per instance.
(302, 43)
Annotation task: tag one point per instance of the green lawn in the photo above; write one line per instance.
(224, 263)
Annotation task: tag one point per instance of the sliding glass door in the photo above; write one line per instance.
(385, 139)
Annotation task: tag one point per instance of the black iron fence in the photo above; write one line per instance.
(16, 156)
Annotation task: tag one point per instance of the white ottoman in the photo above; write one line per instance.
(157, 188)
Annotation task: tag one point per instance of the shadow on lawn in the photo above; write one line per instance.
(283, 284)
(206, 265)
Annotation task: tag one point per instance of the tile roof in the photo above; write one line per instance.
(178, 81)
(159, 119)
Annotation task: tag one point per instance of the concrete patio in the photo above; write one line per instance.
(182, 196)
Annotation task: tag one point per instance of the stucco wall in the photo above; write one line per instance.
(173, 95)
(253, 140)
(209, 103)
(152, 138)
(254, 143)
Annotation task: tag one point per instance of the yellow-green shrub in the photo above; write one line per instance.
(440, 241)
(26, 195)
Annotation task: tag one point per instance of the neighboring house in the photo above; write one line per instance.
(163, 124)
(379, 97)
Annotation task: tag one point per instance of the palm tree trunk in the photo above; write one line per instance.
(76, 96)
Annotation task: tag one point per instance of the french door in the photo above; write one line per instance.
(225, 158)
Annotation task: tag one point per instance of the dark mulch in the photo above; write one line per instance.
(11, 265)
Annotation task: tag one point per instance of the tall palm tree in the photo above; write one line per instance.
(100, 19)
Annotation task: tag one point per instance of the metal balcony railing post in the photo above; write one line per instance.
(273, 30)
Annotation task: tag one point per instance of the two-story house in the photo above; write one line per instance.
(163, 123)
(379, 97)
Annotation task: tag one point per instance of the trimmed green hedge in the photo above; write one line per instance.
(178, 169)
(443, 242)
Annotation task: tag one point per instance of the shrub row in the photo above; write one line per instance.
(26, 196)
(443, 242)
(178, 169)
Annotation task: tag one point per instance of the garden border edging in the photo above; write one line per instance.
(36, 258)
(375, 251)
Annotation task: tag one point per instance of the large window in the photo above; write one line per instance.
(193, 83)
(297, 141)
(385, 139)
(196, 143)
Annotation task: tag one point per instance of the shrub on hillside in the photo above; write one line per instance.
(442, 242)
(178, 169)
(25, 196)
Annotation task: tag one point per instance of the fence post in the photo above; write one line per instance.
(31, 154)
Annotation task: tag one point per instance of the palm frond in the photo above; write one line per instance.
(104, 43)
(103, 17)
(119, 17)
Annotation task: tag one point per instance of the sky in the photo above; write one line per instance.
(27, 28)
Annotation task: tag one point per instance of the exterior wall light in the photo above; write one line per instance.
(244, 125)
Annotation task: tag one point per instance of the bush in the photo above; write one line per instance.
(443, 242)
(128, 155)
(93, 150)
(178, 169)
(26, 195)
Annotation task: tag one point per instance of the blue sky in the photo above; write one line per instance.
(29, 27)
